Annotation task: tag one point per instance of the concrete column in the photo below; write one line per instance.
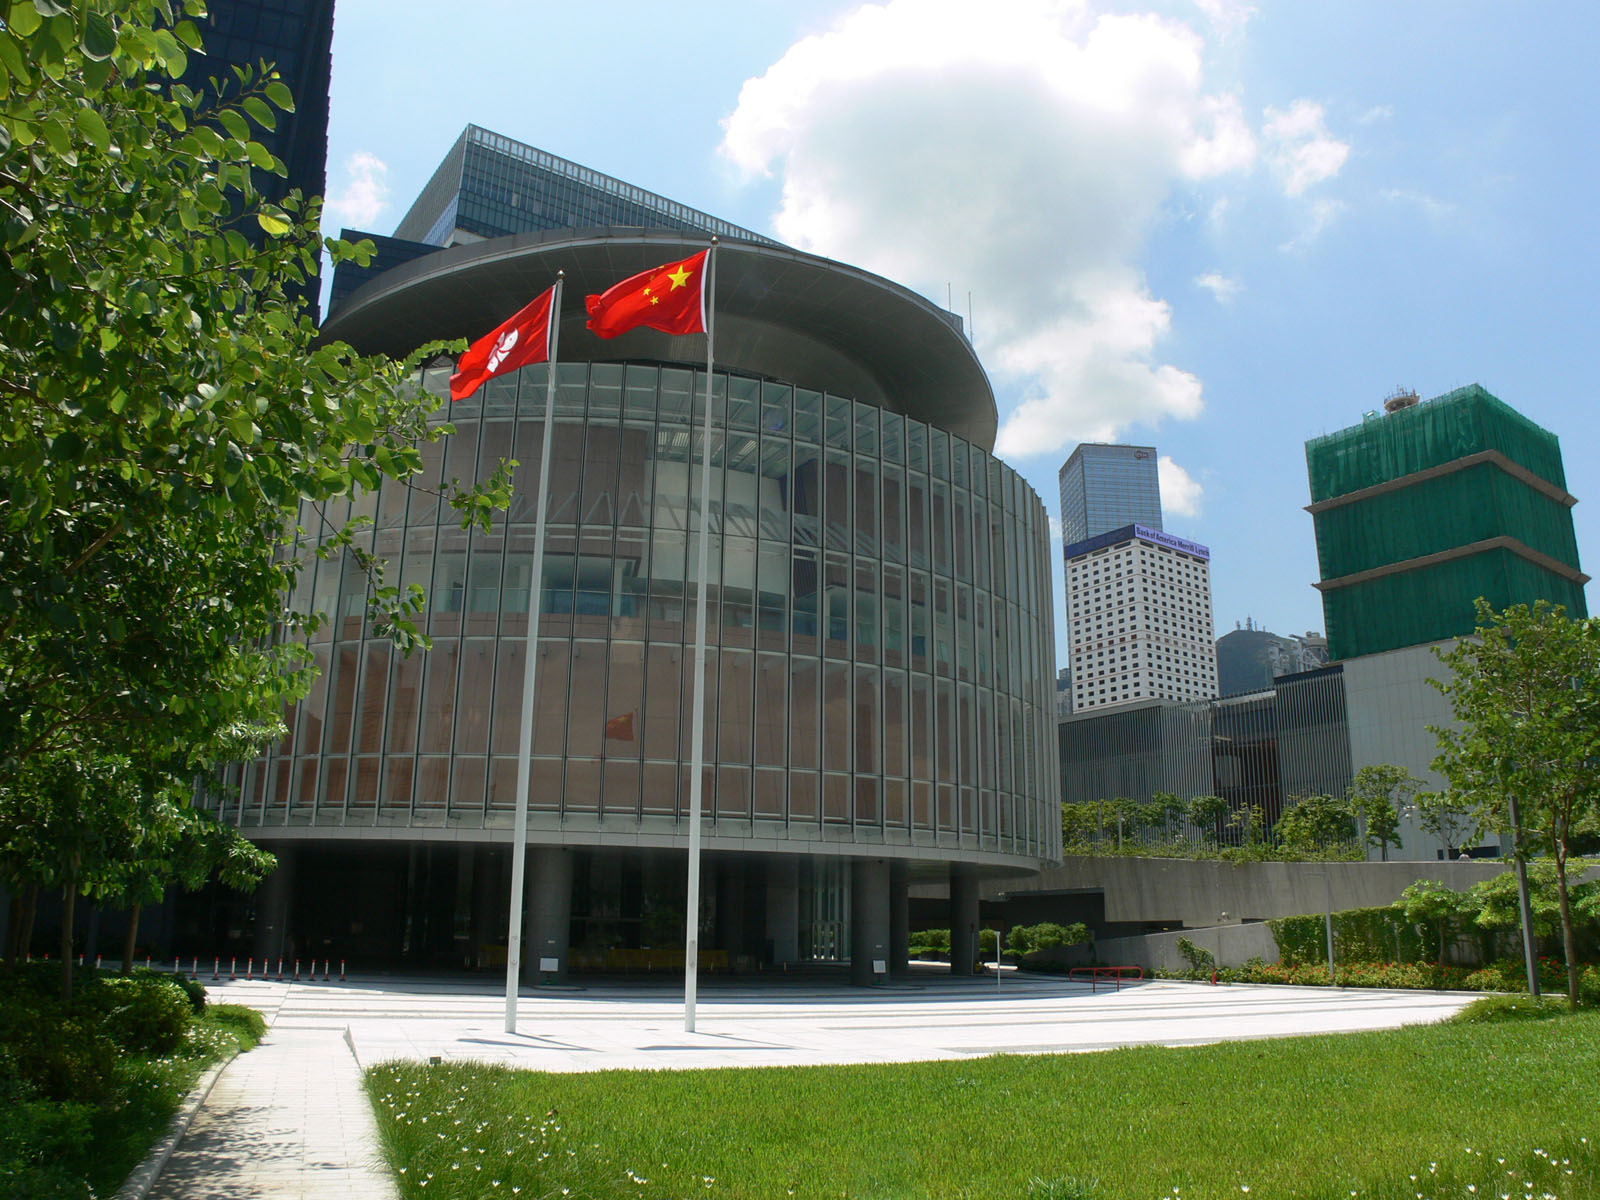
(274, 899)
(963, 919)
(899, 919)
(549, 920)
(869, 920)
(491, 903)
(730, 912)
(783, 908)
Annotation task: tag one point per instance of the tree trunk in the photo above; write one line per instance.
(30, 909)
(1568, 943)
(69, 894)
(132, 939)
(14, 932)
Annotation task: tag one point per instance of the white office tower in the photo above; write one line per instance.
(1139, 621)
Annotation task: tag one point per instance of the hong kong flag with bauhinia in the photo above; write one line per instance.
(522, 340)
(670, 298)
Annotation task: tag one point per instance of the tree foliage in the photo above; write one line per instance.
(1314, 823)
(1525, 692)
(1377, 796)
(167, 405)
(168, 413)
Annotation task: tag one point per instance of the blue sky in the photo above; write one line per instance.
(1217, 228)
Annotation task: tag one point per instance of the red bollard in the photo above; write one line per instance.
(216, 968)
(146, 962)
(297, 970)
(194, 968)
(177, 966)
(280, 970)
(97, 959)
(233, 968)
(325, 965)
(1213, 977)
(80, 958)
(341, 970)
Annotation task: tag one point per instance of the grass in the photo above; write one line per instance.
(1478, 1109)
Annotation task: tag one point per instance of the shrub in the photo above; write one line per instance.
(56, 1055)
(247, 1023)
(143, 1015)
(1029, 939)
(930, 941)
(1510, 1008)
(194, 992)
(1198, 957)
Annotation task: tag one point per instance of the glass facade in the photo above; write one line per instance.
(879, 629)
(1106, 487)
(1265, 748)
(490, 185)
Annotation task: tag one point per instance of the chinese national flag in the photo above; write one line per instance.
(621, 728)
(670, 298)
(523, 339)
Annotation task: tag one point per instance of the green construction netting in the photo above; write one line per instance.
(1466, 421)
(1436, 602)
(1439, 514)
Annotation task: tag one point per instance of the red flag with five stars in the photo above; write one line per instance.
(524, 338)
(670, 298)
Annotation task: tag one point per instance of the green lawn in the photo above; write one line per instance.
(1328, 1116)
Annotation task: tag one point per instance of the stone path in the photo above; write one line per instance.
(288, 1120)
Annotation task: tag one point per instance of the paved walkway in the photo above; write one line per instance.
(289, 1119)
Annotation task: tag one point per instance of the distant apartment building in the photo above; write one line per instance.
(1139, 623)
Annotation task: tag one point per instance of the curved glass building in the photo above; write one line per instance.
(880, 691)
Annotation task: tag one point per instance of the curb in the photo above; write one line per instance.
(143, 1177)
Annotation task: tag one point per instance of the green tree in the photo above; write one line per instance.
(1377, 797)
(1314, 825)
(1429, 902)
(1208, 813)
(1525, 692)
(167, 405)
(1448, 819)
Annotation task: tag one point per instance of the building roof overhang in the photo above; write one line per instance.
(779, 313)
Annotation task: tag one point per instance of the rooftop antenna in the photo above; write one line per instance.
(949, 300)
(970, 335)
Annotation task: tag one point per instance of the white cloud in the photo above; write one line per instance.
(1378, 112)
(1299, 147)
(1181, 492)
(1321, 214)
(362, 194)
(1227, 17)
(1222, 288)
(1023, 151)
(1435, 209)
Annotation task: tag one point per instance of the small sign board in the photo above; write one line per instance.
(880, 967)
(549, 965)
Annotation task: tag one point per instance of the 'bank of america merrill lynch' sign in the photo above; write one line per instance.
(1176, 543)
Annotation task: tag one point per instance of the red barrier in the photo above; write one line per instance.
(233, 968)
(216, 968)
(341, 970)
(1095, 974)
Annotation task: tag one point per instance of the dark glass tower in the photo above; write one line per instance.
(295, 36)
(491, 186)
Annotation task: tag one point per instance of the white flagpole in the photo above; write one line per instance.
(519, 846)
(697, 752)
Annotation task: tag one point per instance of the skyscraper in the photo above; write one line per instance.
(1139, 621)
(1106, 487)
(1424, 508)
(295, 37)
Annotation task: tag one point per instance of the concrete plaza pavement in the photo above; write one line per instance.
(289, 1119)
